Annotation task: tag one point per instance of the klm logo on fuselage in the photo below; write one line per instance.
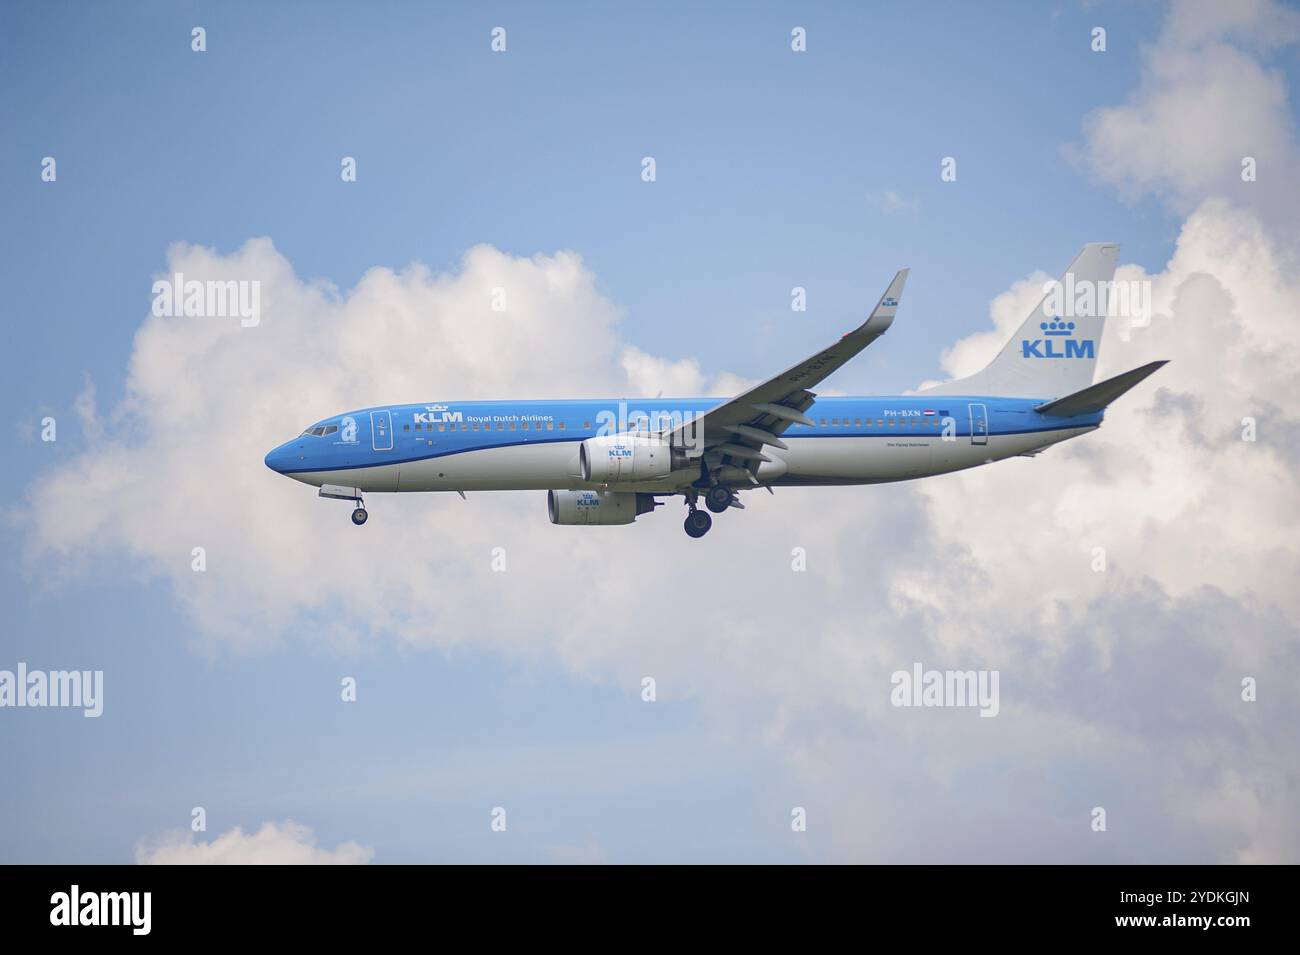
(1058, 341)
(437, 414)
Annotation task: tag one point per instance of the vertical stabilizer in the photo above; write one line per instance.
(1055, 350)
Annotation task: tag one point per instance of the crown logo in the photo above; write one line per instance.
(1057, 326)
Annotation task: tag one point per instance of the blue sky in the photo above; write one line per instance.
(765, 158)
(768, 162)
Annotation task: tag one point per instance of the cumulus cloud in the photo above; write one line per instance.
(206, 398)
(1206, 101)
(1127, 674)
(1120, 686)
(283, 843)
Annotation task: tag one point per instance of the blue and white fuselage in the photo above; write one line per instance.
(534, 445)
(607, 461)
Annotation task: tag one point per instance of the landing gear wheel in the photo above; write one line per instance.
(697, 523)
(718, 498)
(359, 516)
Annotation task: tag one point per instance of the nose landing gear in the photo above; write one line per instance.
(353, 494)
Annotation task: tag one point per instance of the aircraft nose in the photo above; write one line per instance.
(277, 459)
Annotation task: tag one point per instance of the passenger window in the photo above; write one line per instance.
(857, 422)
(523, 425)
(550, 426)
(586, 425)
(512, 426)
(474, 426)
(561, 425)
(501, 426)
(823, 422)
(418, 427)
(406, 427)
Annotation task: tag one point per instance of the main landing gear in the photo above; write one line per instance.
(697, 522)
(718, 498)
(359, 515)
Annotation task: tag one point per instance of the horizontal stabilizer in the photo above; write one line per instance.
(1096, 397)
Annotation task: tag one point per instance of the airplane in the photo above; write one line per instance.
(608, 462)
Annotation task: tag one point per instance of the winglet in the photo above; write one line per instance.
(882, 316)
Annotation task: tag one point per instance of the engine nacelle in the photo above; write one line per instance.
(614, 458)
(593, 507)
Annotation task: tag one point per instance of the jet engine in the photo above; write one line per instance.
(613, 458)
(593, 507)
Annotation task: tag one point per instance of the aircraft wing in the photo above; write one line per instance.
(738, 429)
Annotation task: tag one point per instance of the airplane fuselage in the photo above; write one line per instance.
(534, 445)
(608, 461)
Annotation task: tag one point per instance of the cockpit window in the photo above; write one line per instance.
(320, 430)
(331, 429)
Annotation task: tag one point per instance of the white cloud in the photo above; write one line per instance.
(285, 843)
(178, 462)
(1169, 461)
(985, 568)
(1205, 101)
(1118, 688)
(889, 202)
(1008, 311)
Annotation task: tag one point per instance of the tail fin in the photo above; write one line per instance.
(1096, 397)
(1055, 350)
